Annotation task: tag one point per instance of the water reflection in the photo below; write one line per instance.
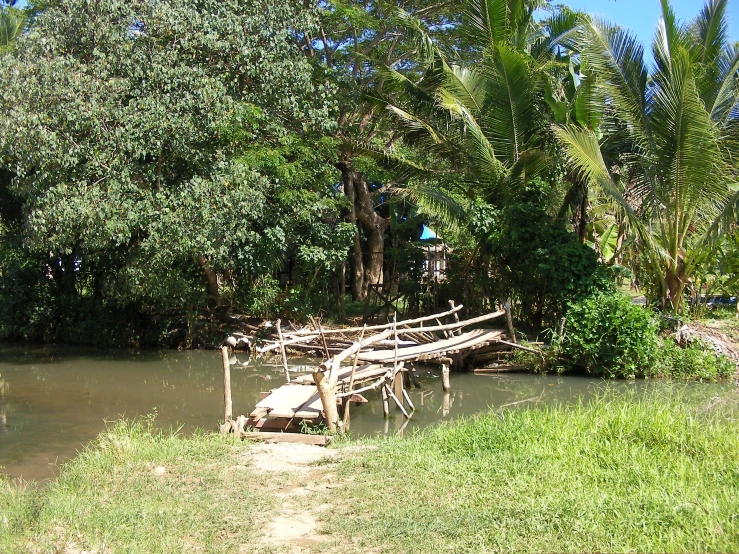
(54, 400)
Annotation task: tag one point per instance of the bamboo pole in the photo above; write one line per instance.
(456, 316)
(351, 379)
(398, 403)
(228, 404)
(382, 326)
(408, 331)
(408, 400)
(282, 352)
(317, 326)
(509, 321)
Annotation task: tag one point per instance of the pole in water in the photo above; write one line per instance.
(282, 352)
(228, 405)
(385, 403)
(445, 381)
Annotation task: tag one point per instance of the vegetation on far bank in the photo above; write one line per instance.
(656, 474)
(274, 159)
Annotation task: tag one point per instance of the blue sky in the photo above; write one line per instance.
(641, 16)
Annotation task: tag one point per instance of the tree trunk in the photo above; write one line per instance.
(366, 256)
(212, 279)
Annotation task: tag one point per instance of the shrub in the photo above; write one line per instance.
(605, 334)
(697, 360)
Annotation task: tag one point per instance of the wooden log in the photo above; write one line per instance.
(266, 436)
(385, 403)
(446, 404)
(445, 384)
(450, 326)
(397, 401)
(228, 404)
(381, 381)
(282, 352)
(327, 394)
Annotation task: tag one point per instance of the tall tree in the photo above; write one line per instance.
(351, 35)
(129, 135)
(671, 138)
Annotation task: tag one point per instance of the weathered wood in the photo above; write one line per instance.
(408, 400)
(456, 316)
(282, 353)
(384, 325)
(385, 403)
(445, 384)
(397, 401)
(317, 326)
(514, 345)
(327, 394)
(266, 436)
(509, 321)
(228, 404)
(346, 416)
(238, 426)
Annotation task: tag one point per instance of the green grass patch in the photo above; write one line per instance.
(649, 474)
(111, 498)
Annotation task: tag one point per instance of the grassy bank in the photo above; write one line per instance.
(648, 474)
(137, 490)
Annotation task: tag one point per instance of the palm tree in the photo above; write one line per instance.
(669, 142)
(484, 119)
(12, 24)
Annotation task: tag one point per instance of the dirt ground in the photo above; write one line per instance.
(299, 476)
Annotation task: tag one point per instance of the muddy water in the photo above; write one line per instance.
(54, 400)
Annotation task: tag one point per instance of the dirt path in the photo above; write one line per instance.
(298, 476)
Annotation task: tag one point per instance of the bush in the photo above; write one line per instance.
(605, 334)
(694, 361)
(538, 262)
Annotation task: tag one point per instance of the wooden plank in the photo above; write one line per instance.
(286, 400)
(315, 440)
(435, 349)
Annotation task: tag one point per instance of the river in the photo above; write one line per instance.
(54, 400)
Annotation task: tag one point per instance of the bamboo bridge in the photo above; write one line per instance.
(378, 357)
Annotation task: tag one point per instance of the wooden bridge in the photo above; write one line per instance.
(378, 359)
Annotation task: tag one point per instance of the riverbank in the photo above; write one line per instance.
(654, 473)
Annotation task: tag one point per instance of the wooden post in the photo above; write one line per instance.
(317, 327)
(327, 393)
(282, 352)
(509, 321)
(385, 403)
(228, 405)
(408, 400)
(345, 419)
(446, 404)
(445, 384)
(397, 401)
(397, 375)
(456, 318)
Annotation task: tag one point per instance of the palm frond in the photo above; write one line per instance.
(434, 202)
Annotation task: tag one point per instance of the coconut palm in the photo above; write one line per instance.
(12, 24)
(484, 119)
(670, 140)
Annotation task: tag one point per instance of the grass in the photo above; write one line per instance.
(654, 473)
(628, 474)
(111, 499)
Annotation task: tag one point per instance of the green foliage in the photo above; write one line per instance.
(606, 334)
(164, 156)
(697, 360)
(650, 474)
(538, 261)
